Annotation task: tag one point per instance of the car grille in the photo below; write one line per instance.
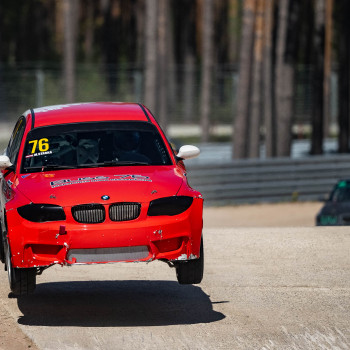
(95, 213)
(89, 213)
(124, 211)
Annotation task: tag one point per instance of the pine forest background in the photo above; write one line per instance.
(264, 71)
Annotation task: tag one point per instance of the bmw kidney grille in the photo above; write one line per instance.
(89, 213)
(124, 211)
(95, 213)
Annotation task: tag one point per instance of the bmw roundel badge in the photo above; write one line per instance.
(105, 197)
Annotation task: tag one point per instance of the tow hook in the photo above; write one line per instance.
(62, 231)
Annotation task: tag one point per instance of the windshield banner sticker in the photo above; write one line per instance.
(83, 180)
(38, 154)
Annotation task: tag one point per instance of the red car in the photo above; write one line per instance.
(96, 183)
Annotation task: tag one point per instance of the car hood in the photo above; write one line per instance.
(120, 184)
(335, 208)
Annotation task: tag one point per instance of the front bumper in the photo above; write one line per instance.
(169, 238)
(333, 220)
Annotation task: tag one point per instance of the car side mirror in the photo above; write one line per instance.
(5, 163)
(188, 152)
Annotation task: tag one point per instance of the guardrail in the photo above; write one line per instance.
(272, 180)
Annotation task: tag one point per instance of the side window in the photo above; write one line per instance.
(15, 141)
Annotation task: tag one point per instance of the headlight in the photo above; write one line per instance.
(169, 205)
(42, 212)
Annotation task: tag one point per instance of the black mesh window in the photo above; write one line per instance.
(15, 141)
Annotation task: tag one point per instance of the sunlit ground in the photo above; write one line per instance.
(297, 214)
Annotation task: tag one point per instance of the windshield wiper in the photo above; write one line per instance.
(49, 167)
(111, 163)
(130, 162)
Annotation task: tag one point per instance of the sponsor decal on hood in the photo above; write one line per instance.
(75, 186)
(83, 180)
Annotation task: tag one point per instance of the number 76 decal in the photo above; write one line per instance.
(43, 145)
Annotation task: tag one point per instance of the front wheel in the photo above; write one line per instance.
(22, 281)
(191, 272)
(2, 250)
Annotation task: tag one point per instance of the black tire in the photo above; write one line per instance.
(2, 250)
(191, 271)
(22, 281)
(3, 231)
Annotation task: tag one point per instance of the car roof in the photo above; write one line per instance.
(88, 112)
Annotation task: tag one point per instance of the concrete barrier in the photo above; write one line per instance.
(282, 179)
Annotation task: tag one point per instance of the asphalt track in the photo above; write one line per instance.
(264, 288)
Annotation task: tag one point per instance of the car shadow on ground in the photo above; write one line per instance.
(116, 303)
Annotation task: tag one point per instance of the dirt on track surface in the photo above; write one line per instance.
(275, 287)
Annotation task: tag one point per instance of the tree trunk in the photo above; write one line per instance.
(240, 129)
(112, 30)
(89, 30)
(285, 74)
(151, 55)
(59, 32)
(233, 30)
(70, 15)
(171, 73)
(140, 30)
(256, 98)
(327, 68)
(269, 118)
(318, 78)
(343, 8)
(207, 67)
(189, 85)
(163, 58)
(188, 48)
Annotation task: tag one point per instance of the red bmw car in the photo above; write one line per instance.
(96, 183)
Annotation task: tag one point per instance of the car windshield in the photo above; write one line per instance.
(341, 193)
(93, 145)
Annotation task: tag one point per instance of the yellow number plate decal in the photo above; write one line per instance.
(43, 145)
